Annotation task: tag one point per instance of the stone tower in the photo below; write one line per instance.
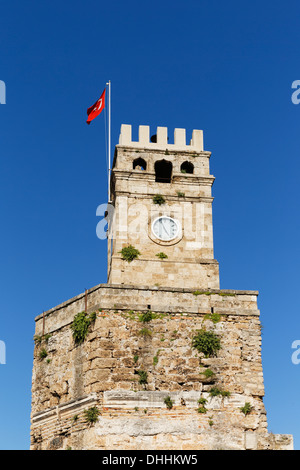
(163, 204)
(163, 358)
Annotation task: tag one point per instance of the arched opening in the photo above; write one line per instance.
(139, 164)
(187, 167)
(163, 171)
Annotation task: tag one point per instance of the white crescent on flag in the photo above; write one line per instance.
(97, 108)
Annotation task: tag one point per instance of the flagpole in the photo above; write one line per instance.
(109, 137)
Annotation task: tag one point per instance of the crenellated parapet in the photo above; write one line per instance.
(161, 141)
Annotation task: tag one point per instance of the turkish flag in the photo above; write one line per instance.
(97, 108)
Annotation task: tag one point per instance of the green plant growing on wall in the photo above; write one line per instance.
(135, 358)
(199, 292)
(201, 409)
(158, 199)
(161, 255)
(143, 377)
(216, 391)
(207, 343)
(146, 317)
(227, 294)
(214, 317)
(92, 316)
(208, 373)
(180, 194)
(202, 401)
(80, 325)
(145, 332)
(129, 253)
(38, 339)
(91, 415)
(247, 408)
(168, 402)
(155, 358)
(43, 353)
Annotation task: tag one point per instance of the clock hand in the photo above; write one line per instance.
(163, 226)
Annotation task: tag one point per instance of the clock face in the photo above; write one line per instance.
(165, 228)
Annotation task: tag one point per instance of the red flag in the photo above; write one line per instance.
(97, 108)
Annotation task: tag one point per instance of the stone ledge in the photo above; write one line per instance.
(123, 287)
(155, 399)
(63, 407)
(169, 197)
(162, 151)
(188, 178)
(196, 261)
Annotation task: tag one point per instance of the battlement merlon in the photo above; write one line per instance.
(196, 143)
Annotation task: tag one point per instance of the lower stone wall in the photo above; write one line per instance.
(104, 373)
(166, 273)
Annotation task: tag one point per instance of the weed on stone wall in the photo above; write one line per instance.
(81, 324)
(206, 342)
(246, 409)
(91, 415)
(129, 253)
(158, 199)
(168, 402)
(143, 377)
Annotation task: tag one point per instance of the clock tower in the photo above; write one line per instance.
(142, 362)
(160, 231)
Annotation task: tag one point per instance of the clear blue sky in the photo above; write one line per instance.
(224, 67)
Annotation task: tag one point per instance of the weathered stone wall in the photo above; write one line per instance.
(126, 369)
(188, 200)
(103, 371)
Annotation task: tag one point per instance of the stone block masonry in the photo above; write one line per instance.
(104, 372)
(132, 377)
(187, 199)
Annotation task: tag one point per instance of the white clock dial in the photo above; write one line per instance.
(165, 228)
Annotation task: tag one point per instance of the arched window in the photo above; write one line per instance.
(139, 164)
(163, 171)
(187, 167)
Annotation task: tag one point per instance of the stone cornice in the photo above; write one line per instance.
(122, 287)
